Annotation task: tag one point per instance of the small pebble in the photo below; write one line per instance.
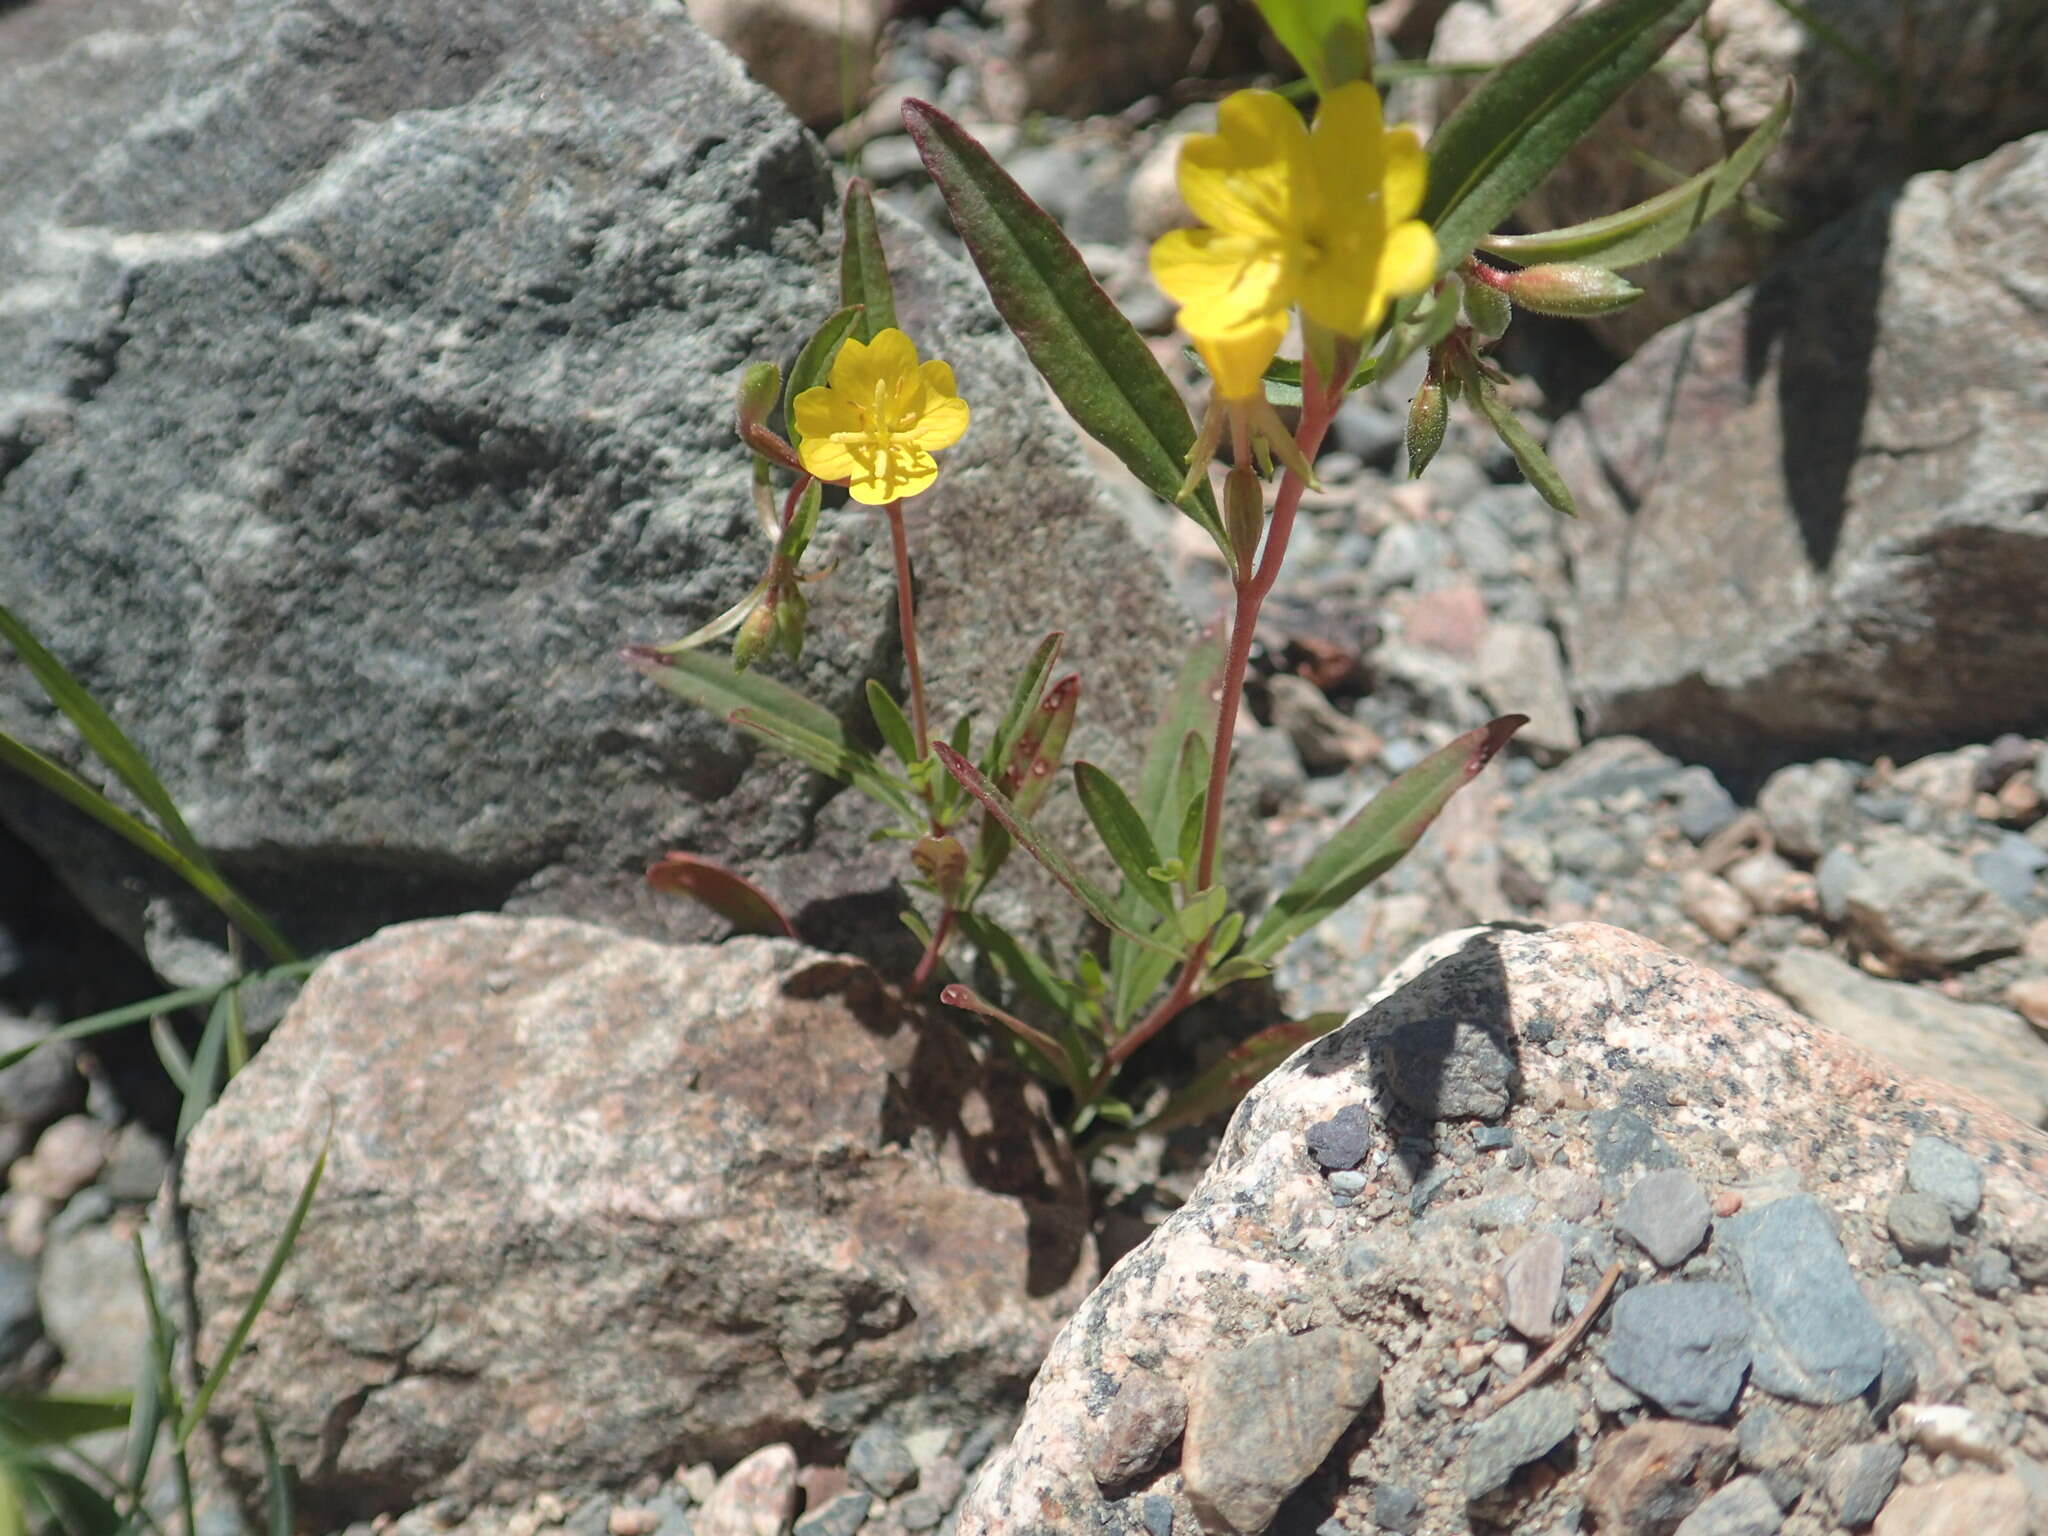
(1348, 1181)
(1741, 1508)
(1666, 1214)
(1947, 1173)
(1533, 1276)
(1397, 1509)
(1342, 1141)
(840, 1517)
(1991, 1272)
(1859, 1478)
(880, 1462)
(632, 1522)
(1920, 1226)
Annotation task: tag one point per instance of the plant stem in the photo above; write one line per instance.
(929, 961)
(1319, 407)
(906, 616)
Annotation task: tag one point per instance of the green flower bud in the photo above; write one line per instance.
(1428, 414)
(1488, 309)
(1244, 517)
(943, 862)
(1576, 292)
(756, 634)
(760, 387)
(791, 609)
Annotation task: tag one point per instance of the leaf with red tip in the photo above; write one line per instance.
(731, 895)
(1374, 841)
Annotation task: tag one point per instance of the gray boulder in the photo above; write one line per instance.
(366, 380)
(1812, 514)
(597, 1207)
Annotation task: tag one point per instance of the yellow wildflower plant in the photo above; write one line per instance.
(1319, 218)
(879, 418)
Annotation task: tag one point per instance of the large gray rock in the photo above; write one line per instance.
(596, 1207)
(366, 380)
(1812, 515)
(1962, 89)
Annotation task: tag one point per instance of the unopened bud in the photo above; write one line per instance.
(1428, 414)
(1244, 516)
(760, 386)
(791, 609)
(942, 861)
(757, 633)
(1488, 309)
(1576, 292)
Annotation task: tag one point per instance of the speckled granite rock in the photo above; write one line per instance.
(1624, 1056)
(597, 1204)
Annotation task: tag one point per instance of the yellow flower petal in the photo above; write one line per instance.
(938, 377)
(1243, 178)
(891, 474)
(941, 424)
(820, 412)
(1408, 262)
(1220, 280)
(1347, 152)
(824, 458)
(1237, 359)
(860, 370)
(1406, 177)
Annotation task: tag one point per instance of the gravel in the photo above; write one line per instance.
(1684, 1344)
(1817, 1340)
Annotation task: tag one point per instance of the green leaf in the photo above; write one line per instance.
(775, 713)
(1529, 454)
(813, 365)
(1137, 974)
(38, 1418)
(1061, 1058)
(1098, 365)
(1189, 712)
(1123, 834)
(1374, 840)
(277, 1483)
(1329, 39)
(1512, 131)
(204, 1077)
(145, 1418)
(265, 1283)
(725, 891)
(1658, 224)
(796, 538)
(1231, 1077)
(889, 720)
(1024, 968)
(136, 1013)
(67, 1502)
(1024, 697)
(1201, 915)
(1076, 885)
(863, 269)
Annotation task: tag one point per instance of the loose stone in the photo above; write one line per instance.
(840, 1517)
(1533, 1276)
(1666, 1212)
(1684, 1344)
(1859, 1478)
(1655, 1473)
(1920, 1226)
(880, 1462)
(1526, 1430)
(1947, 1173)
(1743, 1508)
(1343, 1140)
(1816, 1339)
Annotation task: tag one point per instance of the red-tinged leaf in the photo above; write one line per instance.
(1100, 367)
(1076, 885)
(769, 446)
(1057, 1061)
(1374, 841)
(1230, 1078)
(732, 896)
(1037, 756)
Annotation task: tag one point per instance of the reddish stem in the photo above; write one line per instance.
(906, 615)
(929, 961)
(1319, 407)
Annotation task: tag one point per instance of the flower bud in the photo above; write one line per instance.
(760, 386)
(1428, 414)
(1244, 517)
(1576, 292)
(756, 634)
(943, 862)
(1488, 309)
(791, 608)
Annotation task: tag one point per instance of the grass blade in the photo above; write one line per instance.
(136, 1013)
(51, 1418)
(202, 1085)
(1512, 131)
(264, 1285)
(277, 1483)
(1655, 225)
(1374, 840)
(1095, 361)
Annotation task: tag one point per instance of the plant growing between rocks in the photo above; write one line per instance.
(1377, 248)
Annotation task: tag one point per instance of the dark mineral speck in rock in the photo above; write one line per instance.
(1624, 1140)
(1526, 1430)
(1945, 1172)
(1341, 1142)
(1816, 1338)
(1684, 1344)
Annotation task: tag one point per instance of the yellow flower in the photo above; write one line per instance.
(1323, 218)
(878, 421)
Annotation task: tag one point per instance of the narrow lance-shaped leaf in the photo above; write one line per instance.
(863, 269)
(1124, 834)
(1512, 131)
(897, 734)
(1190, 709)
(1024, 697)
(136, 1013)
(1093, 897)
(51, 1418)
(727, 892)
(1658, 224)
(1374, 840)
(1095, 361)
(1329, 39)
(1056, 1059)
(1529, 454)
(813, 365)
(1036, 757)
